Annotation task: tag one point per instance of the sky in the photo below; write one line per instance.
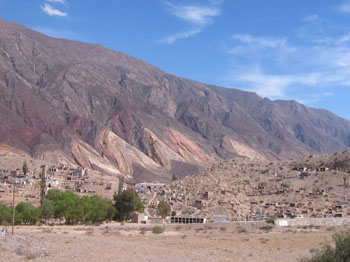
(291, 50)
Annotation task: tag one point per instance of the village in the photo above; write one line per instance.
(80, 181)
(247, 190)
(232, 190)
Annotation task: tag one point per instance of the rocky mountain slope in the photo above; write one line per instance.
(82, 104)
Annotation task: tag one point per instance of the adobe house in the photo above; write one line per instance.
(220, 218)
(150, 186)
(78, 172)
(138, 218)
(53, 169)
(208, 194)
(262, 186)
(198, 204)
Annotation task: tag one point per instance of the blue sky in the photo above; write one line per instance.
(280, 49)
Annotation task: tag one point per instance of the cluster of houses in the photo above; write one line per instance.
(244, 190)
(80, 181)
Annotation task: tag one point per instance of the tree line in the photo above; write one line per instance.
(69, 208)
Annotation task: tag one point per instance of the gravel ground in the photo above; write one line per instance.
(225, 242)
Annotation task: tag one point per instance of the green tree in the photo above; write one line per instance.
(163, 209)
(29, 213)
(339, 253)
(47, 209)
(127, 202)
(111, 211)
(69, 207)
(97, 209)
(72, 208)
(54, 195)
(5, 214)
(174, 178)
(25, 168)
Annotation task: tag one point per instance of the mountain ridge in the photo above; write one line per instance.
(105, 110)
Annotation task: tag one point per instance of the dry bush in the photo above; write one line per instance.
(143, 230)
(30, 256)
(157, 230)
(89, 231)
(223, 229)
(242, 230)
(266, 228)
(19, 251)
(47, 230)
(177, 228)
(208, 227)
(264, 240)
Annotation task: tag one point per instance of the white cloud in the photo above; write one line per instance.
(270, 85)
(247, 43)
(307, 71)
(264, 42)
(311, 18)
(248, 47)
(63, 2)
(51, 11)
(315, 19)
(198, 16)
(345, 7)
(181, 35)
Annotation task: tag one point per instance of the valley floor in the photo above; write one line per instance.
(205, 242)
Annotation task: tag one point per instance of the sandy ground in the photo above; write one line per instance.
(183, 243)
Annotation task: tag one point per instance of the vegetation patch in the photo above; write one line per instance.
(339, 252)
(157, 230)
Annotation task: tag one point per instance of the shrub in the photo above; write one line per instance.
(127, 202)
(157, 230)
(5, 214)
(164, 209)
(271, 219)
(266, 228)
(174, 178)
(28, 213)
(339, 253)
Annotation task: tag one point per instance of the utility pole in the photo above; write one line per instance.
(13, 205)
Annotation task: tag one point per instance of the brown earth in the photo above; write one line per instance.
(206, 242)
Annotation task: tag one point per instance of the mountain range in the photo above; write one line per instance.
(84, 105)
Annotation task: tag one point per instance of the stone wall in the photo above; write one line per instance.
(341, 221)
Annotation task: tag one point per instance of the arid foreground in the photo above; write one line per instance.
(205, 242)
